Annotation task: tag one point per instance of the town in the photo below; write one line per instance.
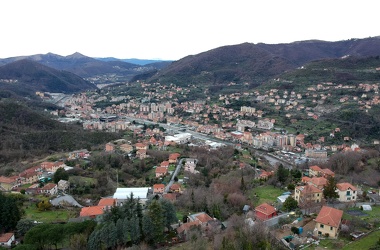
(172, 149)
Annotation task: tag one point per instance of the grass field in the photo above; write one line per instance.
(364, 243)
(267, 194)
(31, 212)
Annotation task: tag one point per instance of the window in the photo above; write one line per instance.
(321, 226)
(353, 197)
(331, 228)
(318, 195)
(348, 193)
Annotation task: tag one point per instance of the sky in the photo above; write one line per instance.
(173, 29)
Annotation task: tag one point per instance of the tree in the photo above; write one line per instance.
(290, 204)
(60, 174)
(282, 174)
(24, 225)
(9, 212)
(329, 191)
(155, 218)
(168, 212)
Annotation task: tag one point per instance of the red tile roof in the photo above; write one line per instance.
(187, 226)
(91, 211)
(345, 186)
(161, 170)
(315, 168)
(266, 209)
(308, 189)
(6, 237)
(327, 171)
(319, 181)
(329, 216)
(4, 179)
(107, 202)
(49, 186)
(203, 217)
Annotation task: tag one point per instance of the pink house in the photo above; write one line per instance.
(265, 211)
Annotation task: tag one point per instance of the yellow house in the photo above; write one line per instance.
(328, 222)
(308, 193)
(6, 183)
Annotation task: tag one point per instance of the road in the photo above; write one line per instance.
(176, 171)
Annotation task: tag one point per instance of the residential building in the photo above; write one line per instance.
(49, 189)
(328, 222)
(161, 171)
(308, 193)
(346, 192)
(265, 211)
(158, 188)
(314, 171)
(175, 188)
(7, 239)
(318, 182)
(190, 165)
(7, 183)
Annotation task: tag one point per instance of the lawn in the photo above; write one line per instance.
(371, 217)
(61, 215)
(364, 243)
(267, 194)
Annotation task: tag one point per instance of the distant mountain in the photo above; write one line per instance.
(88, 67)
(136, 61)
(256, 63)
(29, 76)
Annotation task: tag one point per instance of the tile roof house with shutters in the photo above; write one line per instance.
(173, 158)
(49, 189)
(52, 166)
(161, 171)
(308, 193)
(158, 188)
(318, 182)
(346, 192)
(7, 183)
(314, 171)
(140, 145)
(7, 239)
(265, 211)
(175, 188)
(328, 222)
(141, 154)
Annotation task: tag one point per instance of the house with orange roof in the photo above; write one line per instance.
(92, 212)
(140, 146)
(7, 183)
(305, 179)
(107, 202)
(161, 171)
(49, 189)
(265, 211)
(264, 175)
(202, 217)
(175, 188)
(52, 166)
(158, 188)
(170, 197)
(318, 182)
(141, 154)
(314, 171)
(164, 164)
(7, 239)
(326, 172)
(308, 193)
(347, 192)
(173, 158)
(328, 222)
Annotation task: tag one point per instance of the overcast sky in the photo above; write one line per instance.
(173, 29)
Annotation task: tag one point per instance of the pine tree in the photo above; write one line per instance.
(329, 191)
